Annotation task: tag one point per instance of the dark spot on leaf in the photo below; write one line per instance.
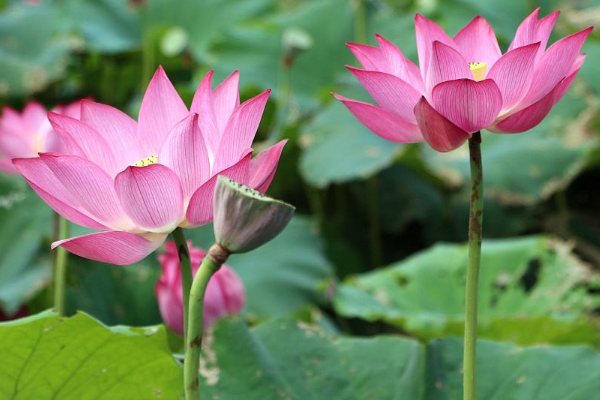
(402, 280)
(531, 275)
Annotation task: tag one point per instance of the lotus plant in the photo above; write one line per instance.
(224, 295)
(136, 182)
(461, 86)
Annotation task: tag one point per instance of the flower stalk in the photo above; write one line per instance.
(216, 256)
(60, 267)
(475, 221)
(185, 264)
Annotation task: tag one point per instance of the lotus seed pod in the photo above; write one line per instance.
(244, 218)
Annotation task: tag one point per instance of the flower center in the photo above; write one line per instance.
(478, 69)
(144, 162)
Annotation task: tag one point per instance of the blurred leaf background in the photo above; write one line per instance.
(363, 203)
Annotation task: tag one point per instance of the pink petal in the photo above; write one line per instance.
(66, 144)
(555, 64)
(151, 196)
(533, 30)
(13, 145)
(564, 85)
(240, 131)
(72, 110)
(10, 121)
(477, 42)
(88, 140)
(203, 105)
(512, 73)
(226, 97)
(200, 209)
(394, 57)
(34, 118)
(184, 152)
(370, 57)
(117, 128)
(427, 33)
(119, 248)
(446, 64)
(66, 211)
(381, 122)
(161, 109)
(390, 92)
(232, 289)
(90, 186)
(37, 173)
(263, 167)
(468, 104)
(438, 131)
(534, 114)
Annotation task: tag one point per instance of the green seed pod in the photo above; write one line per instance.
(244, 219)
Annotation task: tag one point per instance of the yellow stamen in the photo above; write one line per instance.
(478, 69)
(144, 162)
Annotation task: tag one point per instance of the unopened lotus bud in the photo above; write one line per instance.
(224, 295)
(244, 219)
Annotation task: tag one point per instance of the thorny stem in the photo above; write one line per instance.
(185, 265)
(475, 221)
(216, 256)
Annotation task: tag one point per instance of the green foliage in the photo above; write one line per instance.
(30, 58)
(337, 149)
(114, 295)
(506, 371)
(290, 359)
(291, 267)
(364, 202)
(45, 357)
(531, 290)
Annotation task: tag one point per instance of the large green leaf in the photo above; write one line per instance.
(286, 359)
(46, 357)
(295, 360)
(531, 290)
(32, 51)
(114, 294)
(107, 26)
(258, 51)
(528, 167)
(506, 371)
(282, 276)
(337, 148)
(203, 22)
(26, 220)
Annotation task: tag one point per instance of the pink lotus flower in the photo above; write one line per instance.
(224, 294)
(464, 84)
(28, 133)
(138, 181)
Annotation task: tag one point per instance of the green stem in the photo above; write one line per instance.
(360, 21)
(215, 257)
(185, 265)
(475, 221)
(60, 268)
(147, 56)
